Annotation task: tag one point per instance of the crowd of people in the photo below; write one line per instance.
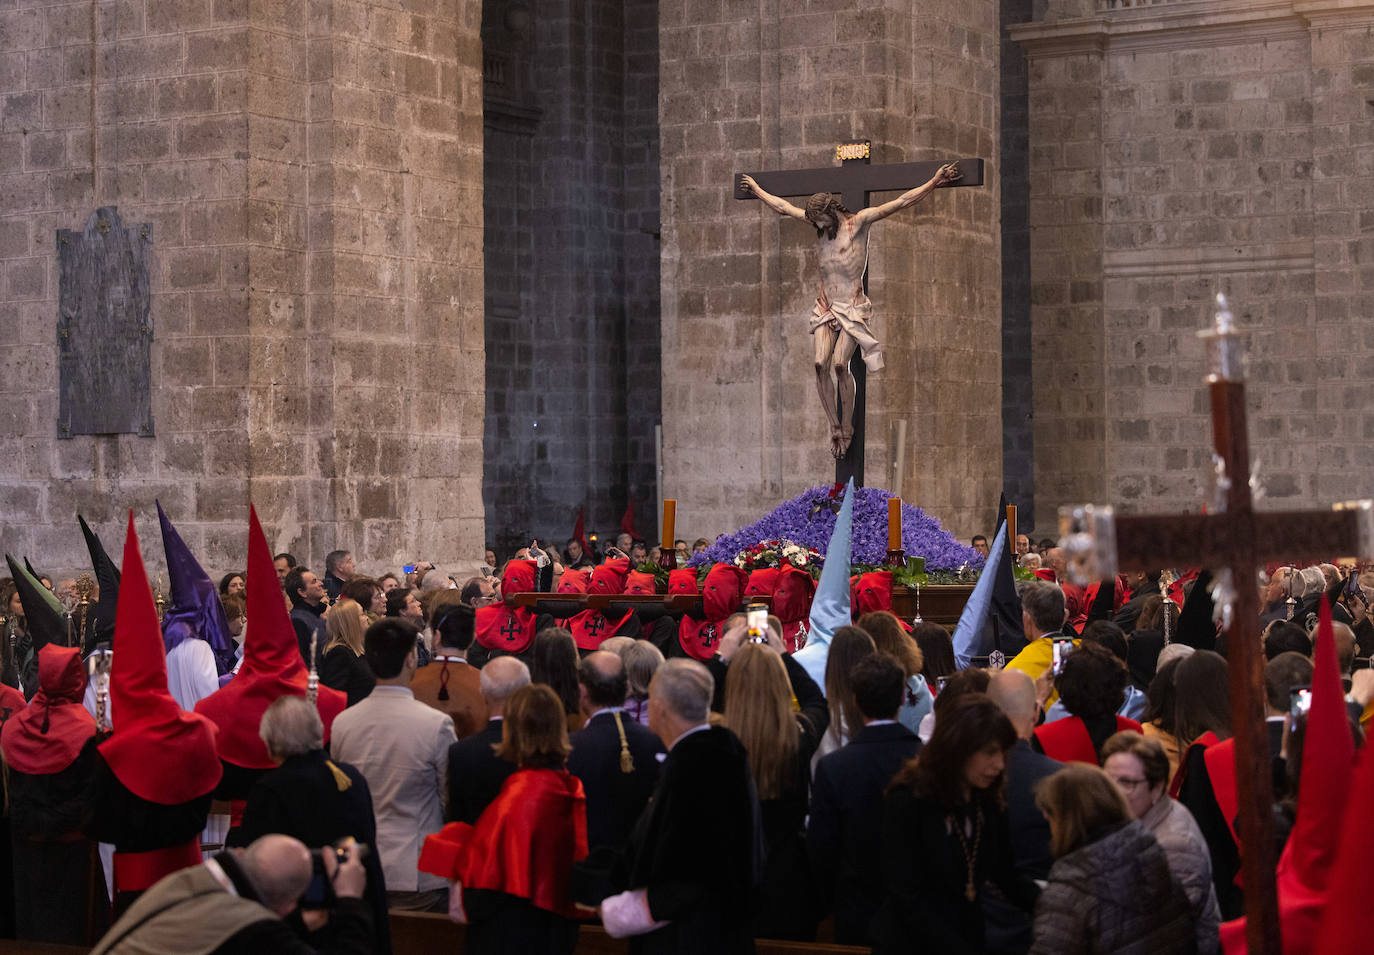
(342, 747)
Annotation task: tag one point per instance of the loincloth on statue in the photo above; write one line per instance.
(851, 318)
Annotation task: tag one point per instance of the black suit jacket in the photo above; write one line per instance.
(1030, 832)
(614, 798)
(697, 848)
(475, 773)
(303, 798)
(844, 833)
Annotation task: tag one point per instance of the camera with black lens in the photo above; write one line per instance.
(320, 893)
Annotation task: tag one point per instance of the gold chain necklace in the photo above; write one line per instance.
(970, 857)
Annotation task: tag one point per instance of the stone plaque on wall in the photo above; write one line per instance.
(104, 333)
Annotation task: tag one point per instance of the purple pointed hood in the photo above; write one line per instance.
(195, 610)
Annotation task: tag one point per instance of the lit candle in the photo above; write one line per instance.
(669, 520)
(894, 523)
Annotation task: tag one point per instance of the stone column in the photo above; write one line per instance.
(312, 172)
(762, 85)
(1067, 338)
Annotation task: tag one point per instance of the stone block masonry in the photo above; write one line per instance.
(312, 172)
(776, 85)
(1176, 152)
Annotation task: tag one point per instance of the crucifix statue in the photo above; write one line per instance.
(1236, 540)
(839, 319)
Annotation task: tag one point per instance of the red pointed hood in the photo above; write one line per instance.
(1328, 762)
(722, 591)
(609, 577)
(572, 582)
(873, 592)
(793, 593)
(1304, 870)
(682, 581)
(519, 577)
(47, 735)
(1342, 932)
(640, 583)
(272, 666)
(762, 582)
(151, 733)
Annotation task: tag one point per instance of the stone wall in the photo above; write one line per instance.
(572, 320)
(1018, 396)
(311, 172)
(750, 86)
(1178, 151)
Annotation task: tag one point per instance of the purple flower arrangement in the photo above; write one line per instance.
(809, 520)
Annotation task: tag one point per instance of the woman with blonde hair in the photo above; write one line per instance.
(343, 666)
(890, 638)
(511, 871)
(1110, 888)
(760, 684)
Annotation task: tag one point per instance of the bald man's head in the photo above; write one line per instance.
(279, 868)
(1014, 692)
(603, 680)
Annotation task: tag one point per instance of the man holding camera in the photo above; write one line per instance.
(237, 902)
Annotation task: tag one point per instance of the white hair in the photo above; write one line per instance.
(291, 726)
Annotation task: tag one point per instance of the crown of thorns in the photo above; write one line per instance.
(823, 203)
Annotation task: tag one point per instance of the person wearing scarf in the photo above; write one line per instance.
(59, 886)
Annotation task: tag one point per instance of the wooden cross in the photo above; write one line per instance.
(1242, 540)
(855, 180)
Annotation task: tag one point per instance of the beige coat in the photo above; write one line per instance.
(400, 745)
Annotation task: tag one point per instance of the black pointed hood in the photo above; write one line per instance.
(44, 619)
(101, 618)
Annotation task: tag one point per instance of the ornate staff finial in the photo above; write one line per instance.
(1223, 345)
(99, 664)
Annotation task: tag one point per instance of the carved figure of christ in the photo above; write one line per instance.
(839, 320)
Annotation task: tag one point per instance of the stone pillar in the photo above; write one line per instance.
(312, 173)
(761, 85)
(1223, 149)
(1067, 340)
(572, 321)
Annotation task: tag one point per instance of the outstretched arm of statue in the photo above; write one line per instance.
(781, 206)
(947, 173)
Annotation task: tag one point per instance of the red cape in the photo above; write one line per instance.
(1067, 740)
(792, 604)
(721, 593)
(47, 735)
(590, 627)
(499, 627)
(272, 667)
(524, 843)
(157, 751)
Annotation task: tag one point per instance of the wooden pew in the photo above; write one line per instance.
(421, 933)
